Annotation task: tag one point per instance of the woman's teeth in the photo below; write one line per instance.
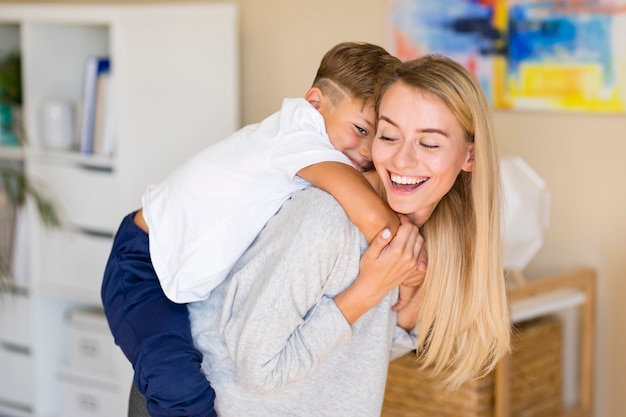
(398, 179)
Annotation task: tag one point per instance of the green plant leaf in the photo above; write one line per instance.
(11, 78)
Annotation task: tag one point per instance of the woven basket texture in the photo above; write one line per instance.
(536, 381)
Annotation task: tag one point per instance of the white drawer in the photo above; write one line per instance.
(15, 326)
(73, 259)
(85, 396)
(17, 375)
(83, 196)
(91, 346)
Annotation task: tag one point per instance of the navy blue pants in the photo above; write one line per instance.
(153, 332)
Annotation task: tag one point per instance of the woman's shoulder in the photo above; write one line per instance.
(312, 212)
(318, 204)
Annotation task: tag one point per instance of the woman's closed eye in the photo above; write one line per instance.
(428, 146)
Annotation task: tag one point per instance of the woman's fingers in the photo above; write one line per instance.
(392, 261)
(407, 242)
(380, 241)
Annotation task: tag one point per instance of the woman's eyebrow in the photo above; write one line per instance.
(388, 120)
(433, 130)
(425, 130)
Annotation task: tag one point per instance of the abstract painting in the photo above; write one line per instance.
(567, 55)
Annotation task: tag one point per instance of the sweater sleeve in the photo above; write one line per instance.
(403, 342)
(283, 323)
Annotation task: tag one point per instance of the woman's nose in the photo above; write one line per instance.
(405, 156)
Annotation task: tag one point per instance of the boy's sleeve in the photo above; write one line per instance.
(304, 142)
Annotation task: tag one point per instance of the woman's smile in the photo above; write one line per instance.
(404, 183)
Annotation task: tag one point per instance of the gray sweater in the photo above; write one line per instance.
(275, 343)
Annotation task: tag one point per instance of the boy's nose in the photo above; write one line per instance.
(366, 151)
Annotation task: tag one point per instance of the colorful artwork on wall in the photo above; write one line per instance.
(567, 55)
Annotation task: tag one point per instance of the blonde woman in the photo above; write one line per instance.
(464, 316)
(304, 325)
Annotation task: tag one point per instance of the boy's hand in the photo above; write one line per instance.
(408, 315)
(410, 285)
(404, 296)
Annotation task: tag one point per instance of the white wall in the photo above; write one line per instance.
(581, 157)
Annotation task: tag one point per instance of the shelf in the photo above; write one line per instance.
(95, 162)
(174, 89)
(544, 304)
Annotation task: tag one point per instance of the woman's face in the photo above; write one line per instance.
(418, 151)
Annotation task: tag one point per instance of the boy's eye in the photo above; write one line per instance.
(361, 130)
(385, 138)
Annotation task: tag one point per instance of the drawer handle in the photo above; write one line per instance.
(96, 233)
(87, 403)
(10, 347)
(87, 231)
(89, 348)
(95, 168)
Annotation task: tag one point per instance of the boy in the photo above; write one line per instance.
(194, 226)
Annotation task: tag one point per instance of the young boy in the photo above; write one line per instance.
(194, 225)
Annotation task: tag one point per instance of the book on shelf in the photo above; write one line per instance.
(95, 104)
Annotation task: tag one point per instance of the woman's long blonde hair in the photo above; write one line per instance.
(464, 326)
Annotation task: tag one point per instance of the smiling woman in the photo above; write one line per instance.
(435, 127)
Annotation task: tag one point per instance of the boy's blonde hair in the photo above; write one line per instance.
(464, 325)
(354, 69)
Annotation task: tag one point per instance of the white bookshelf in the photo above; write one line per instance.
(175, 90)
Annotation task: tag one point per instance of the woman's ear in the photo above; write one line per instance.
(314, 96)
(468, 165)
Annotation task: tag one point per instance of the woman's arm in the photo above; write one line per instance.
(384, 265)
(282, 320)
(364, 207)
(355, 194)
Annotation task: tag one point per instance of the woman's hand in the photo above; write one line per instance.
(384, 265)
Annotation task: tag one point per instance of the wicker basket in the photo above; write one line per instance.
(536, 386)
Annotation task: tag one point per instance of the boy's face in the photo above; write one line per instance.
(351, 126)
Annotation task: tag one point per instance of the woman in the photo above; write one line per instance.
(303, 327)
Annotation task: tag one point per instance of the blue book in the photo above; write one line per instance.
(95, 66)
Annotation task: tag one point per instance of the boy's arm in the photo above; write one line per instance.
(363, 205)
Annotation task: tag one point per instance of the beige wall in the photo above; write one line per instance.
(581, 157)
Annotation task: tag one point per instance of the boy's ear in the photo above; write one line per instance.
(314, 96)
(468, 166)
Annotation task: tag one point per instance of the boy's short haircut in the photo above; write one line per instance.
(355, 69)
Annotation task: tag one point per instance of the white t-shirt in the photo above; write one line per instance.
(207, 212)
